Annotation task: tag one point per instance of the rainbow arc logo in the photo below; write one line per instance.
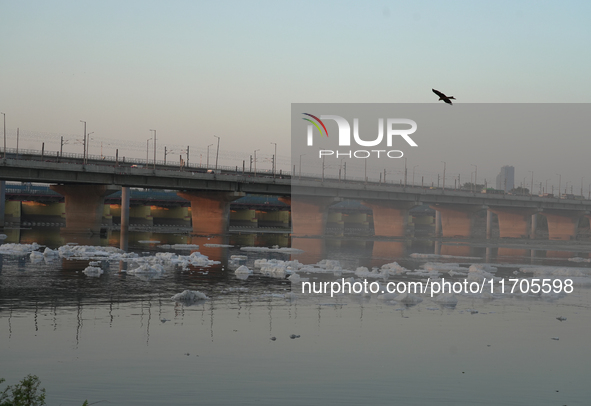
(315, 124)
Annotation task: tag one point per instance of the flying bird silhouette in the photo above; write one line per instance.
(443, 97)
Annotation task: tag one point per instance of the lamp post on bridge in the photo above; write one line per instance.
(274, 159)
(207, 161)
(148, 151)
(444, 165)
(413, 174)
(154, 148)
(84, 143)
(88, 144)
(559, 179)
(217, 153)
(4, 114)
(255, 161)
(475, 177)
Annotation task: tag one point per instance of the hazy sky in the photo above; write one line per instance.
(192, 69)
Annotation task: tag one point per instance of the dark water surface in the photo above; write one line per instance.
(119, 338)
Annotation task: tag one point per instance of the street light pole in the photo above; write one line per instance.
(148, 151)
(559, 179)
(255, 161)
(207, 161)
(217, 153)
(4, 114)
(154, 148)
(405, 172)
(475, 176)
(444, 165)
(88, 144)
(413, 174)
(274, 159)
(84, 143)
(531, 191)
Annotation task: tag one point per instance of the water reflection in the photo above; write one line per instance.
(118, 331)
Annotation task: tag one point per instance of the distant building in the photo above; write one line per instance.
(506, 179)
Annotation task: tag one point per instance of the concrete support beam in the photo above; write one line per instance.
(456, 220)
(390, 218)
(513, 222)
(562, 224)
(534, 225)
(437, 223)
(309, 214)
(84, 206)
(210, 211)
(2, 201)
(489, 223)
(125, 195)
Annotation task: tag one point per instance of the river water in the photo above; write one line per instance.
(120, 339)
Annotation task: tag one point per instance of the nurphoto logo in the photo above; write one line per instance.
(392, 129)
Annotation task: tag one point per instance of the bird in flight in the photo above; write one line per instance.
(443, 97)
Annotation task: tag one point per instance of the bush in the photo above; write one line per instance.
(25, 393)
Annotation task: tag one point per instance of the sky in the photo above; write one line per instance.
(195, 69)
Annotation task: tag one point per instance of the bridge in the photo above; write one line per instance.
(85, 186)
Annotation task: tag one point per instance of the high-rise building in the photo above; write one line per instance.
(506, 179)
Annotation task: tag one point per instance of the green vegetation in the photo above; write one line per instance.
(25, 393)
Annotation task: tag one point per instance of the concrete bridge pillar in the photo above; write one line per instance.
(84, 206)
(456, 220)
(2, 201)
(514, 222)
(562, 224)
(489, 224)
(389, 218)
(309, 214)
(210, 211)
(437, 223)
(125, 196)
(534, 225)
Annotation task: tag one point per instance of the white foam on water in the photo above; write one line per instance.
(243, 270)
(275, 248)
(296, 278)
(395, 269)
(189, 296)
(93, 271)
(36, 256)
(557, 271)
(579, 259)
(18, 249)
(363, 272)
(443, 267)
(437, 256)
(478, 273)
(179, 246)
